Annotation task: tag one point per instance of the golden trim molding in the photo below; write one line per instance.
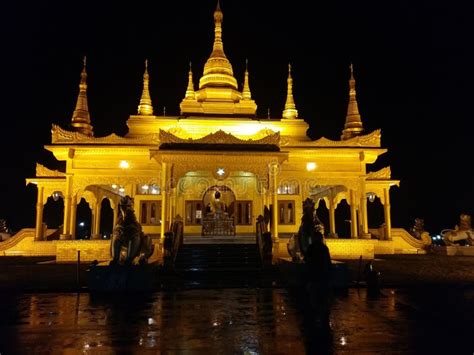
(220, 137)
(62, 136)
(382, 174)
(42, 171)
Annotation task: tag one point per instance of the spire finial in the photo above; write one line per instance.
(246, 94)
(84, 61)
(353, 126)
(145, 108)
(290, 110)
(81, 121)
(268, 113)
(190, 94)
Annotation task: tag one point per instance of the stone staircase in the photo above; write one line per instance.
(219, 266)
(218, 257)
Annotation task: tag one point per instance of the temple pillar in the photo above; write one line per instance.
(274, 193)
(67, 209)
(96, 224)
(332, 216)
(386, 210)
(39, 215)
(171, 201)
(353, 214)
(364, 221)
(163, 199)
(73, 216)
(115, 215)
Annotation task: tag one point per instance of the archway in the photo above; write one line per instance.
(375, 213)
(216, 194)
(221, 211)
(106, 219)
(323, 214)
(53, 213)
(343, 220)
(83, 220)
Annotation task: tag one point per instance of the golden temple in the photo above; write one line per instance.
(173, 165)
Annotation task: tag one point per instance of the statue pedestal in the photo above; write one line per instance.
(123, 278)
(65, 237)
(365, 236)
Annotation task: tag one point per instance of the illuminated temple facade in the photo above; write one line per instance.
(217, 156)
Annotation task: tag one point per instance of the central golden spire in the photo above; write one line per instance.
(218, 70)
(218, 93)
(81, 120)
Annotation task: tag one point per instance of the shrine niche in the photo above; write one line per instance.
(219, 210)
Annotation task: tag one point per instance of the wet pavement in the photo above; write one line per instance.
(238, 321)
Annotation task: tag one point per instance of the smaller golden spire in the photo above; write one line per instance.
(353, 126)
(246, 94)
(190, 94)
(81, 121)
(290, 110)
(145, 107)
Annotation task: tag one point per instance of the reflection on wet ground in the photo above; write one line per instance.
(237, 321)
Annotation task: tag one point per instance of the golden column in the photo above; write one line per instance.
(353, 214)
(97, 212)
(73, 216)
(163, 199)
(39, 214)
(364, 225)
(67, 209)
(332, 215)
(386, 210)
(274, 192)
(116, 211)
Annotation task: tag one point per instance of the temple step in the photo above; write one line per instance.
(193, 257)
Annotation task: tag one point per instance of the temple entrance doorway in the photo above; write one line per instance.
(218, 211)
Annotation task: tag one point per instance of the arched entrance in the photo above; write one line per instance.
(218, 211)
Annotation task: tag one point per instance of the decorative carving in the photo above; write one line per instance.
(42, 171)
(369, 140)
(184, 162)
(384, 173)
(219, 137)
(62, 136)
(82, 181)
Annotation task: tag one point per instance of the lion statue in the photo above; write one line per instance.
(418, 231)
(129, 245)
(418, 228)
(462, 234)
(310, 224)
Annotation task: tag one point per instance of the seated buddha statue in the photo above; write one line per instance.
(217, 206)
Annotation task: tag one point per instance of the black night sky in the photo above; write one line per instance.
(413, 66)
